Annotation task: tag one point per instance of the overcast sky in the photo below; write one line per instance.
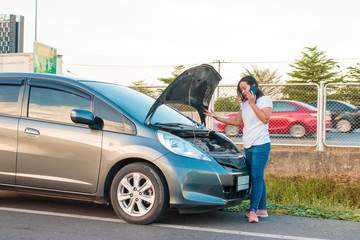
(125, 41)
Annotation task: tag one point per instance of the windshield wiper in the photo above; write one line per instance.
(173, 124)
(195, 126)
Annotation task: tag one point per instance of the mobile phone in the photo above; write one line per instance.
(253, 89)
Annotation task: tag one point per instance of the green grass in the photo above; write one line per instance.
(330, 197)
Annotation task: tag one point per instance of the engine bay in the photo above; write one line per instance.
(210, 145)
(222, 149)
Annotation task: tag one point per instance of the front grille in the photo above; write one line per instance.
(231, 193)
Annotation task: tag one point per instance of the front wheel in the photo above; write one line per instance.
(344, 126)
(297, 130)
(139, 194)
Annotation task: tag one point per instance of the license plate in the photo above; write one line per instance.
(243, 182)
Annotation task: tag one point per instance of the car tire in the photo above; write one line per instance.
(231, 130)
(344, 126)
(139, 193)
(297, 130)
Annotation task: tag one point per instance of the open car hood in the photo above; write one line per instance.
(193, 87)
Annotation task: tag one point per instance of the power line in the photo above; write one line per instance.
(190, 64)
(129, 66)
(280, 61)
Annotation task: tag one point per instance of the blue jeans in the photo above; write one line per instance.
(257, 156)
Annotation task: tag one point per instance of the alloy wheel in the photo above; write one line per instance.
(297, 130)
(343, 125)
(136, 194)
(231, 130)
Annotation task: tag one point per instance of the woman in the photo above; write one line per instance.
(255, 112)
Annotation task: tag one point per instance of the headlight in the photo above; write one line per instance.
(180, 147)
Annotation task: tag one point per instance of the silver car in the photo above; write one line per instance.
(106, 143)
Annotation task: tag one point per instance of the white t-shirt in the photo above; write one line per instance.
(255, 132)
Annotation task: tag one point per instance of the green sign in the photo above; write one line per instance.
(44, 58)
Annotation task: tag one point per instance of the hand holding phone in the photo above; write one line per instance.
(253, 89)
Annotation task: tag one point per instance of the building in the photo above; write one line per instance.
(24, 62)
(11, 33)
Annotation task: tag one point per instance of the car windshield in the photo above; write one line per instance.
(308, 106)
(137, 104)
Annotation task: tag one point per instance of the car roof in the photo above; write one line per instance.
(76, 81)
(298, 104)
(314, 103)
(293, 101)
(40, 76)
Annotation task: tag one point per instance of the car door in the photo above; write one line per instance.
(281, 117)
(54, 152)
(10, 99)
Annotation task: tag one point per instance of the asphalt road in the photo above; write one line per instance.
(34, 217)
(332, 138)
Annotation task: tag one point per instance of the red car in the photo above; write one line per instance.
(288, 117)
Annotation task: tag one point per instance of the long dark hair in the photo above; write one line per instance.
(250, 80)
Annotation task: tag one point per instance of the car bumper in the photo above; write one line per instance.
(220, 127)
(199, 186)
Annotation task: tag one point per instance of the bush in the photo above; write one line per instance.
(330, 197)
(227, 104)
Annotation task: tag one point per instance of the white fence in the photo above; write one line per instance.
(303, 114)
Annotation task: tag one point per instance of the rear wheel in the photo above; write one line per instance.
(231, 130)
(139, 194)
(344, 126)
(297, 130)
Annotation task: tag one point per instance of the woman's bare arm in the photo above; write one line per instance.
(263, 114)
(236, 122)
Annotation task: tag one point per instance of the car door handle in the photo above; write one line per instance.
(31, 131)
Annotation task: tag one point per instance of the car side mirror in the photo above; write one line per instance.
(86, 117)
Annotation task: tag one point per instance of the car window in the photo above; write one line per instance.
(335, 107)
(284, 107)
(349, 107)
(338, 106)
(341, 107)
(8, 99)
(329, 105)
(113, 119)
(55, 105)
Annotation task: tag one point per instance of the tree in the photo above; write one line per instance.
(354, 72)
(265, 76)
(349, 93)
(141, 86)
(177, 71)
(174, 74)
(313, 67)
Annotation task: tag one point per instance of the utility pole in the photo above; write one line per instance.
(219, 62)
(35, 20)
